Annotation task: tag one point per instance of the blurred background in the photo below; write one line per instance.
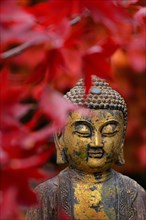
(46, 47)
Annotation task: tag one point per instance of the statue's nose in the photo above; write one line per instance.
(96, 140)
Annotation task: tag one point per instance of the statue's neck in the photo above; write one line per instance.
(97, 177)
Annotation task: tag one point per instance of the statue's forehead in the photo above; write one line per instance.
(98, 114)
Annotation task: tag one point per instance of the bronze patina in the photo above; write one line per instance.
(91, 142)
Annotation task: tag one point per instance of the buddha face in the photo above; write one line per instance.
(92, 140)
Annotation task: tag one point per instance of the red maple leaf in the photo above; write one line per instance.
(97, 62)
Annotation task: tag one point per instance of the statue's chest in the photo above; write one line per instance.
(89, 202)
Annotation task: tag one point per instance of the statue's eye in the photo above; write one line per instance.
(109, 129)
(83, 130)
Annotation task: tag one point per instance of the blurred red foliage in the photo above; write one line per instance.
(45, 48)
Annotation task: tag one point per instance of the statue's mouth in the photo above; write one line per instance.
(95, 152)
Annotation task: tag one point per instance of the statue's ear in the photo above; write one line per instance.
(61, 157)
(120, 160)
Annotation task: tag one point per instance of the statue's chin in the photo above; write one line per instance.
(96, 162)
(93, 165)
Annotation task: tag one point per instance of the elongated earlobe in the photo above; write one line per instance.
(120, 161)
(61, 157)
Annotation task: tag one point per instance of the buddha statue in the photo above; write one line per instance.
(90, 143)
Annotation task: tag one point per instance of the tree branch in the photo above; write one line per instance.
(17, 50)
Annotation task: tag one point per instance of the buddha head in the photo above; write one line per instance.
(92, 139)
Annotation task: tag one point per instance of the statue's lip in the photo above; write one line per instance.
(99, 155)
(95, 152)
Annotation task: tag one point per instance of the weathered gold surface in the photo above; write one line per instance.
(90, 139)
(91, 142)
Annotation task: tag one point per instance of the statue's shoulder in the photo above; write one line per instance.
(132, 198)
(48, 194)
(130, 183)
(47, 187)
(51, 186)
